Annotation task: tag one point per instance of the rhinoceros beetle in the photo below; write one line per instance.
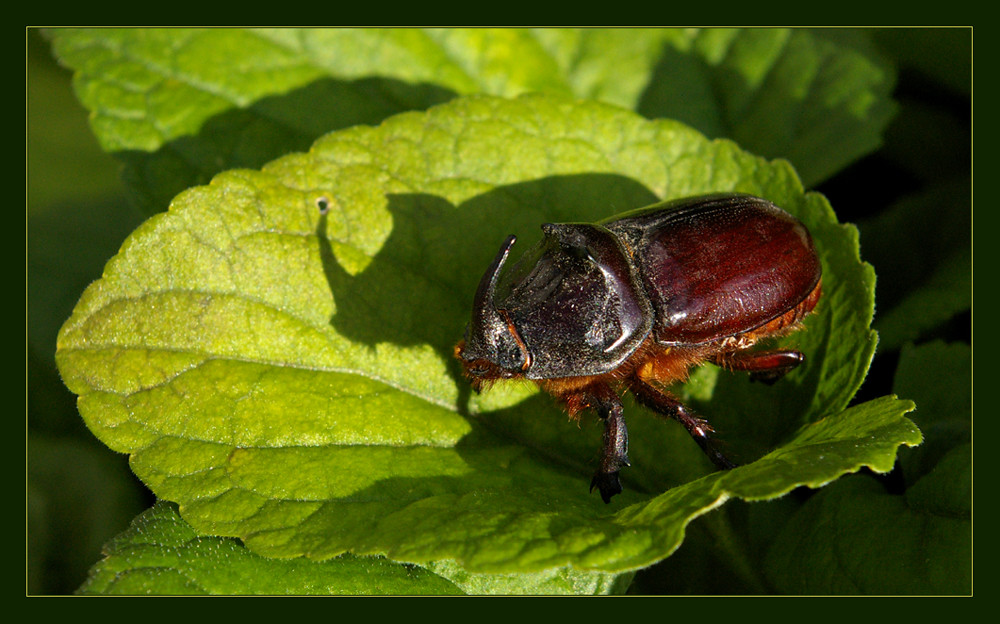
(633, 302)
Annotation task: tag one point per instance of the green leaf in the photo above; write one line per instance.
(180, 105)
(938, 377)
(856, 537)
(275, 352)
(926, 278)
(819, 99)
(64, 162)
(162, 554)
(555, 581)
(946, 292)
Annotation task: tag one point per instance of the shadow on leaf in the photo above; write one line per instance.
(266, 130)
(418, 288)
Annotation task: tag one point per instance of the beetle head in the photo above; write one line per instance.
(492, 348)
(571, 306)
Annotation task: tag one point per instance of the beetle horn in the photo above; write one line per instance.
(487, 335)
(486, 318)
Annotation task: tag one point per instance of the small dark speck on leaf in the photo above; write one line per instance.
(323, 204)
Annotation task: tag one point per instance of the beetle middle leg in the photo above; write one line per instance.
(764, 366)
(663, 403)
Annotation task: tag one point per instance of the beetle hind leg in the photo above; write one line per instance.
(764, 366)
(699, 429)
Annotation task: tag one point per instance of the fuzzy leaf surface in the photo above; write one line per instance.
(275, 351)
(161, 554)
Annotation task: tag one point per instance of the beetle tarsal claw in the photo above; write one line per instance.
(608, 484)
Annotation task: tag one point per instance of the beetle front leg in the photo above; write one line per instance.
(614, 451)
(764, 366)
(614, 448)
(661, 402)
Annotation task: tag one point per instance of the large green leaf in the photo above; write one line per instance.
(179, 105)
(859, 537)
(946, 292)
(856, 538)
(945, 417)
(927, 275)
(820, 99)
(275, 352)
(161, 554)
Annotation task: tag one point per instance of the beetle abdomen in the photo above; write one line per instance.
(720, 266)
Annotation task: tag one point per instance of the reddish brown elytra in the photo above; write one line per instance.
(633, 302)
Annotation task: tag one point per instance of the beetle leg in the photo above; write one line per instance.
(614, 450)
(661, 402)
(764, 366)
